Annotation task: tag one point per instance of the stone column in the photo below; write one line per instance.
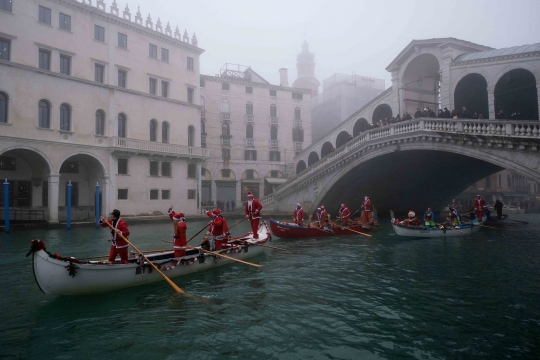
(107, 196)
(199, 186)
(447, 98)
(54, 186)
(491, 102)
(238, 199)
(213, 191)
(261, 188)
(538, 93)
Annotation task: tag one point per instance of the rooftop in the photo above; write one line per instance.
(514, 50)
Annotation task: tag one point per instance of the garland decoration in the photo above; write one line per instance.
(72, 269)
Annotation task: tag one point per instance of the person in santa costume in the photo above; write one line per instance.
(366, 205)
(253, 213)
(218, 229)
(324, 216)
(412, 221)
(320, 218)
(119, 246)
(298, 216)
(179, 228)
(479, 206)
(344, 214)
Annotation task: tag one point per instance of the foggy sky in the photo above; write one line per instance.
(345, 36)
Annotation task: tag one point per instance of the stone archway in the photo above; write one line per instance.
(300, 166)
(381, 112)
(313, 158)
(326, 149)
(360, 126)
(420, 84)
(471, 92)
(342, 138)
(516, 94)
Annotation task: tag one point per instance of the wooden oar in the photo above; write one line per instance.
(354, 231)
(173, 285)
(218, 254)
(523, 222)
(106, 256)
(238, 222)
(463, 232)
(491, 227)
(193, 237)
(266, 246)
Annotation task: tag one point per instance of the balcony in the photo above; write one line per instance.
(250, 142)
(298, 146)
(274, 143)
(225, 116)
(123, 145)
(225, 141)
(273, 120)
(298, 122)
(250, 118)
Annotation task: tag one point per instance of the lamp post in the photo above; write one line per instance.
(68, 222)
(6, 207)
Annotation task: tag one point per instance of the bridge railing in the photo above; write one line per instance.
(511, 128)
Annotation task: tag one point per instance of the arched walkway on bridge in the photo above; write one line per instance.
(516, 94)
(471, 92)
(312, 158)
(342, 138)
(421, 84)
(326, 149)
(301, 166)
(360, 126)
(383, 111)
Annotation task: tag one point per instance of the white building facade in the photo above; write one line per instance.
(91, 96)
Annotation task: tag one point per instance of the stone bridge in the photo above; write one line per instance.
(413, 164)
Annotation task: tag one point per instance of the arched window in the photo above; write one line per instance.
(298, 134)
(225, 129)
(165, 132)
(122, 125)
(249, 131)
(153, 130)
(65, 117)
(297, 114)
(273, 133)
(44, 114)
(249, 108)
(3, 107)
(191, 136)
(225, 106)
(100, 122)
(273, 110)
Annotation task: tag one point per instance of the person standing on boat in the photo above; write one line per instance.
(320, 217)
(366, 205)
(479, 206)
(119, 246)
(325, 218)
(429, 217)
(179, 237)
(298, 216)
(253, 213)
(344, 214)
(498, 207)
(218, 229)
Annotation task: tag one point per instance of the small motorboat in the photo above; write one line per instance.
(59, 275)
(293, 231)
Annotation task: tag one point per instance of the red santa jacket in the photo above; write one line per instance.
(117, 240)
(344, 213)
(218, 226)
(299, 216)
(180, 239)
(320, 217)
(479, 203)
(367, 205)
(254, 210)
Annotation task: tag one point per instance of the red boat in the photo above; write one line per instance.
(293, 231)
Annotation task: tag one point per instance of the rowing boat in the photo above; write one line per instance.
(69, 276)
(293, 231)
(438, 231)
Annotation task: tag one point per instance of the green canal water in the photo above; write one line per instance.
(384, 297)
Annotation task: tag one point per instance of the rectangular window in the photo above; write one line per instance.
(190, 92)
(298, 96)
(154, 194)
(122, 194)
(4, 49)
(226, 173)
(225, 154)
(224, 86)
(154, 168)
(99, 73)
(202, 83)
(191, 194)
(74, 193)
(6, 5)
(190, 63)
(99, 33)
(192, 170)
(165, 88)
(122, 78)
(251, 154)
(166, 168)
(164, 55)
(153, 51)
(44, 193)
(44, 59)
(275, 156)
(249, 90)
(152, 86)
(65, 22)
(122, 166)
(273, 92)
(122, 41)
(45, 15)
(165, 194)
(65, 64)
(7, 163)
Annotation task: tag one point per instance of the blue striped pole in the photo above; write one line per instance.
(68, 223)
(6, 207)
(98, 207)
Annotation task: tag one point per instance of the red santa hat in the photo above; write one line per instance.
(454, 205)
(178, 216)
(319, 208)
(250, 194)
(298, 205)
(478, 195)
(216, 212)
(343, 205)
(322, 207)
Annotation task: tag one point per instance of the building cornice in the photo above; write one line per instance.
(254, 84)
(496, 59)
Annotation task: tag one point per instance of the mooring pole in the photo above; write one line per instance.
(68, 222)
(98, 207)
(6, 207)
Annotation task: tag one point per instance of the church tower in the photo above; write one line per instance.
(305, 64)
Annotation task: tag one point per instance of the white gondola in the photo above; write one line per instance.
(94, 277)
(436, 232)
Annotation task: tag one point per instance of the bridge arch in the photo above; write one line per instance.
(472, 92)
(342, 138)
(312, 158)
(517, 95)
(360, 126)
(420, 83)
(326, 149)
(382, 111)
(300, 166)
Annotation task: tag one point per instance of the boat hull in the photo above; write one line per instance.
(423, 232)
(287, 231)
(53, 277)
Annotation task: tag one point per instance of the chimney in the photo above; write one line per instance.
(283, 77)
